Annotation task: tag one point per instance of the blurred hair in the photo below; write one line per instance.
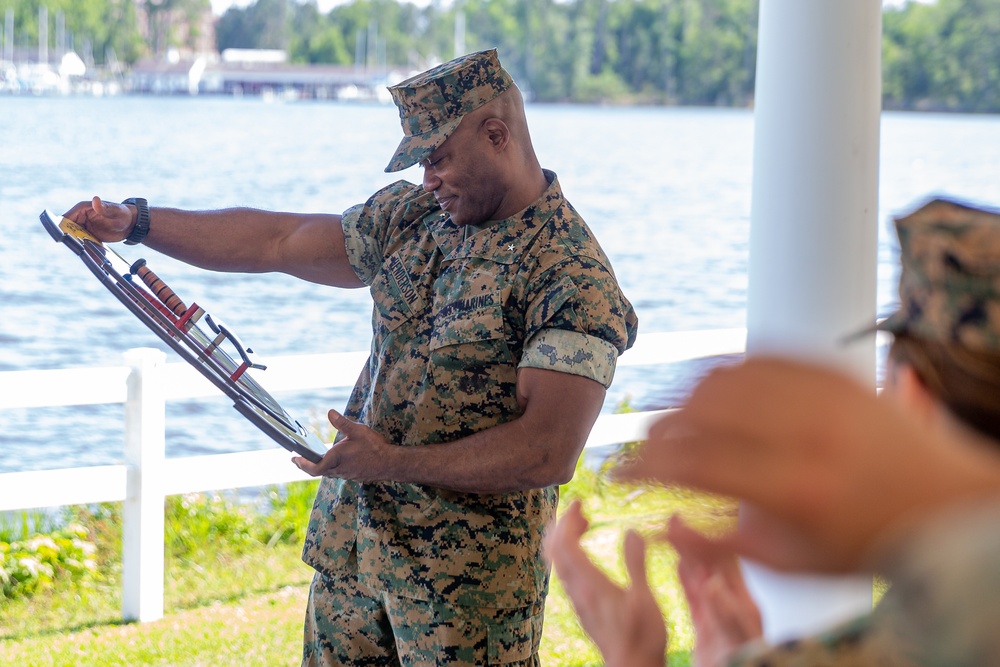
(966, 381)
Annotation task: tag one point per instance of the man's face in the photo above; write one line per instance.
(462, 175)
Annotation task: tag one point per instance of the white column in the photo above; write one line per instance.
(814, 228)
(142, 515)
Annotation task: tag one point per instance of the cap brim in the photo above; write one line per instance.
(415, 148)
(895, 324)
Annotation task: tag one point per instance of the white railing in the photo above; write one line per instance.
(146, 477)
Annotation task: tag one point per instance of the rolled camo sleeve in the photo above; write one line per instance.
(364, 251)
(571, 352)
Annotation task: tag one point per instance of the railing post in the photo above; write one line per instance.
(142, 515)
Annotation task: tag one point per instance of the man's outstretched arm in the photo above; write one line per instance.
(308, 246)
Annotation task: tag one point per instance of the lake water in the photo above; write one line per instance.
(667, 192)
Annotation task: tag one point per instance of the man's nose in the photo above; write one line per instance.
(431, 181)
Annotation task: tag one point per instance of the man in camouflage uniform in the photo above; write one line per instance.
(839, 481)
(497, 326)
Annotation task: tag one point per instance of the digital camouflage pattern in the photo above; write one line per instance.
(457, 311)
(859, 643)
(431, 105)
(348, 624)
(942, 609)
(944, 604)
(949, 284)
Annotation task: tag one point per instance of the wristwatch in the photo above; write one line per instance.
(141, 227)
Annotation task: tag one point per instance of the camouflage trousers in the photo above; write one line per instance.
(349, 624)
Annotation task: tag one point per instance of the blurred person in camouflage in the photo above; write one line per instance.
(907, 485)
(497, 326)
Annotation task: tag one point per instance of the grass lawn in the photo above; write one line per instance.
(246, 608)
(263, 629)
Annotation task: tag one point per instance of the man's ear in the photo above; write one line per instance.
(911, 392)
(497, 132)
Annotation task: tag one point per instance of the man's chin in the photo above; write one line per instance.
(458, 219)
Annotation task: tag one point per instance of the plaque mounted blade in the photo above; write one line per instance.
(200, 339)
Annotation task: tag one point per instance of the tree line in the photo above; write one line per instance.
(939, 56)
(644, 51)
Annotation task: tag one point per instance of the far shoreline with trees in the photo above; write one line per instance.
(937, 56)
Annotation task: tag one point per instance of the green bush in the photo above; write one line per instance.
(36, 562)
(195, 522)
(288, 512)
(18, 526)
(35, 551)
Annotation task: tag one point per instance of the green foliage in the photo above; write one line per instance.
(261, 25)
(938, 56)
(22, 525)
(315, 38)
(37, 549)
(198, 521)
(942, 56)
(96, 29)
(288, 513)
(37, 561)
(173, 22)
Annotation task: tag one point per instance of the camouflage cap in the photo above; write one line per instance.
(432, 104)
(949, 282)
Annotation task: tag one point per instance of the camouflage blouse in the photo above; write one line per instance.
(457, 311)
(942, 608)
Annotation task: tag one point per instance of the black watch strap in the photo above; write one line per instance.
(141, 227)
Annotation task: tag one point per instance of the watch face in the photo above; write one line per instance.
(200, 339)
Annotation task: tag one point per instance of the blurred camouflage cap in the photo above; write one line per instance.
(432, 104)
(949, 282)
